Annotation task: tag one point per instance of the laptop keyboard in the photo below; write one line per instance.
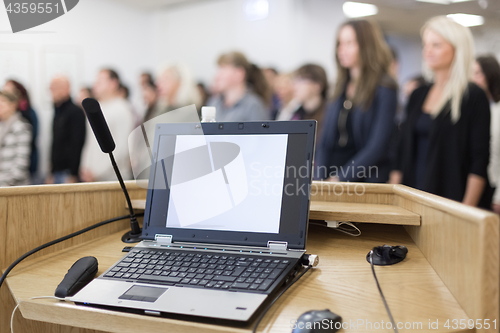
(195, 269)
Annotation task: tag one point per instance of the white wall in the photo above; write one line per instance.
(295, 32)
(95, 34)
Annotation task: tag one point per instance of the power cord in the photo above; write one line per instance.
(338, 228)
(347, 231)
(14, 311)
(382, 294)
(256, 325)
(41, 247)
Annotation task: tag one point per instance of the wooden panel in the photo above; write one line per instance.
(342, 282)
(38, 214)
(462, 245)
(31, 216)
(360, 212)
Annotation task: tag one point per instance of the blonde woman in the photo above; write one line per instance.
(444, 146)
(176, 88)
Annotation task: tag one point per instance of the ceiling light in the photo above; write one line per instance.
(358, 9)
(256, 9)
(467, 20)
(443, 2)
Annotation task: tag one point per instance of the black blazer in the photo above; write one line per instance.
(455, 150)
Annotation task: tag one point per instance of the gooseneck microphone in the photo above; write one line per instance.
(107, 144)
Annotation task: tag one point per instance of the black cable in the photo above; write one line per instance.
(381, 294)
(276, 298)
(41, 247)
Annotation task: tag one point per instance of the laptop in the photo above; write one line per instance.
(225, 222)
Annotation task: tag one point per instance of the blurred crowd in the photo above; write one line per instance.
(438, 132)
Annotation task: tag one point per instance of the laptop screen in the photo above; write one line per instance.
(227, 186)
(226, 177)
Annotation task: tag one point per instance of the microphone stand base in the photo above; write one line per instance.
(129, 237)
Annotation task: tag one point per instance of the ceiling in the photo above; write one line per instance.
(395, 16)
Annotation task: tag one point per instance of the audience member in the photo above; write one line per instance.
(412, 84)
(95, 164)
(204, 93)
(284, 90)
(486, 74)
(176, 88)
(15, 142)
(444, 142)
(394, 67)
(358, 126)
(150, 96)
(271, 74)
(24, 106)
(85, 92)
(146, 79)
(310, 90)
(68, 134)
(243, 90)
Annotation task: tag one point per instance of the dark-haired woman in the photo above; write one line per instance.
(486, 74)
(243, 90)
(24, 106)
(358, 126)
(310, 87)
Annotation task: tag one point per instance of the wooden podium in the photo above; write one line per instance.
(450, 275)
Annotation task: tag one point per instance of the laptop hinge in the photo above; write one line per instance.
(163, 239)
(275, 245)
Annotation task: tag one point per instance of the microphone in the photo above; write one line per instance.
(107, 144)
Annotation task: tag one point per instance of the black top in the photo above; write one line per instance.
(455, 150)
(422, 130)
(68, 137)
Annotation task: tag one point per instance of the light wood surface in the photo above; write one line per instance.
(360, 212)
(455, 251)
(347, 211)
(342, 282)
(33, 215)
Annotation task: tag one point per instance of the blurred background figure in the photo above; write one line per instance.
(243, 90)
(15, 142)
(85, 92)
(412, 84)
(146, 79)
(124, 93)
(204, 93)
(271, 74)
(358, 126)
(283, 88)
(24, 106)
(117, 111)
(68, 134)
(176, 88)
(310, 89)
(486, 74)
(150, 96)
(445, 140)
(395, 66)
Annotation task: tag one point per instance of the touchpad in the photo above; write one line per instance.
(142, 293)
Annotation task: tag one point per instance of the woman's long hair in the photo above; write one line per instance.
(461, 39)
(375, 57)
(491, 70)
(254, 77)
